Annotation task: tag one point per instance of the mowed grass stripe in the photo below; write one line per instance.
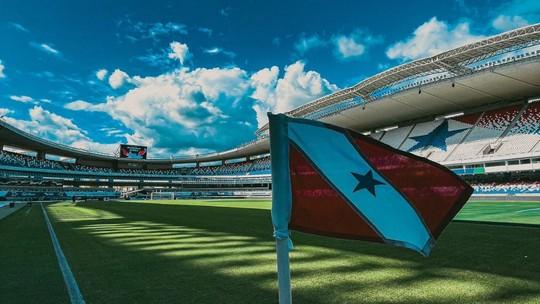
(223, 252)
(29, 271)
(501, 211)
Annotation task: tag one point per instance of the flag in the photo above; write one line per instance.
(332, 181)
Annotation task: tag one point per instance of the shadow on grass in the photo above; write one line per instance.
(200, 254)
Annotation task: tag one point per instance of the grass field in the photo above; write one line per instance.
(222, 252)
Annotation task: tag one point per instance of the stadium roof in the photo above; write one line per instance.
(12, 136)
(455, 62)
(473, 77)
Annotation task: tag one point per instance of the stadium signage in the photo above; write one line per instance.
(133, 152)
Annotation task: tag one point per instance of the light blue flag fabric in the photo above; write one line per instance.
(340, 162)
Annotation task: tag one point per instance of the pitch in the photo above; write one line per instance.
(222, 252)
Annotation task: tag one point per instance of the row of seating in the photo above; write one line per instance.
(20, 160)
(507, 188)
(501, 132)
(257, 166)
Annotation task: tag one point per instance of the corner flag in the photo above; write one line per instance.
(332, 181)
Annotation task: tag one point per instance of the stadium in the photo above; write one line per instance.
(474, 109)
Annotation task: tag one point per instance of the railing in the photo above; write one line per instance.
(137, 176)
(454, 61)
(417, 81)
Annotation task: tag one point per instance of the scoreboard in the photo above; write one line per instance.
(133, 152)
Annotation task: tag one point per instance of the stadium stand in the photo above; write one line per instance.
(458, 129)
(258, 166)
(377, 135)
(421, 137)
(495, 79)
(483, 138)
(507, 188)
(396, 137)
(261, 166)
(20, 160)
(524, 135)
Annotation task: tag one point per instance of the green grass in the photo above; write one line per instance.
(29, 271)
(502, 212)
(223, 252)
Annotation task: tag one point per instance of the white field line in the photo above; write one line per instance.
(75, 294)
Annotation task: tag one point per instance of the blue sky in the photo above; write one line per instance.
(197, 76)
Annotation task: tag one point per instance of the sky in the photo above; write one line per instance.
(192, 77)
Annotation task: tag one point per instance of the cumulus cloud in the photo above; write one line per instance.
(431, 38)
(515, 13)
(101, 74)
(346, 46)
(2, 67)
(54, 127)
(203, 109)
(184, 109)
(349, 47)
(79, 105)
(506, 23)
(118, 78)
(179, 51)
(22, 98)
(296, 88)
(4, 111)
(206, 109)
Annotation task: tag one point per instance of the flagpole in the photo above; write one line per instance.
(284, 272)
(281, 202)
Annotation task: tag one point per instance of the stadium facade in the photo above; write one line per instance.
(474, 109)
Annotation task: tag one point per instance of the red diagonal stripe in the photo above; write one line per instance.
(317, 208)
(436, 193)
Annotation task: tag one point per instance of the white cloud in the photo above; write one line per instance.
(264, 81)
(352, 45)
(217, 50)
(4, 111)
(135, 31)
(46, 48)
(118, 78)
(114, 132)
(101, 74)
(349, 46)
(431, 38)
(183, 109)
(296, 88)
(2, 67)
(56, 128)
(516, 13)
(305, 44)
(158, 29)
(179, 51)
(205, 109)
(28, 99)
(22, 98)
(505, 23)
(78, 105)
(19, 27)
